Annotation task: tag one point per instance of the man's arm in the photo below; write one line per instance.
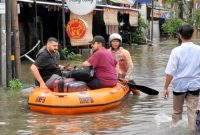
(86, 64)
(167, 82)
(37, 76)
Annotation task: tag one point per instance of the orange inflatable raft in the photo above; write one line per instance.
(90, 101)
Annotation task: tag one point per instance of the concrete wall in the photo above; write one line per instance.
(156, 31)
(3, 48)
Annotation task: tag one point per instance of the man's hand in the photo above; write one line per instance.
(165, 93)
(43, 85)
(166, 86)
(125, 81)
(86, 64)
(61, 67)
(65, 67)
(37, 76)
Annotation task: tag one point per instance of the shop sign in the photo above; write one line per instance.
(159, 14)
(156, 13)
(76, 28)
(81, 7)
(88, 35)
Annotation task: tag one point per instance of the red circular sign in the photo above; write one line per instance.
(76, 28)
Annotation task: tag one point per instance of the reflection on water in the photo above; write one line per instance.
(144, 115)
(82, 124)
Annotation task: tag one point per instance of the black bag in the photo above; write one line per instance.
(83, 74)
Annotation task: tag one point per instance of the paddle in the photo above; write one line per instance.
(143, 89)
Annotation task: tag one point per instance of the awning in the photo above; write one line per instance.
(143, 1)
(133, 18)
(110, 16)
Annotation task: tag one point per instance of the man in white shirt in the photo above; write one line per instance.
(183, 69)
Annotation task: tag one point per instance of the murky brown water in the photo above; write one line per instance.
(144, 115)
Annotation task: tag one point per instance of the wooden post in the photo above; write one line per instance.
(8, 42)
(15, 29)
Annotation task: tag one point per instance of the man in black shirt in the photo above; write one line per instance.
(46, 63)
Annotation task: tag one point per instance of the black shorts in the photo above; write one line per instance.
(196, 92)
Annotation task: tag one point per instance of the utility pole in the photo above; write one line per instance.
(152, 7)
(1, 76)
(8, 42)
(151, 27)
(15, 29)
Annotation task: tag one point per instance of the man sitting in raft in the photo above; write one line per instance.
(46, 63)
(103, 63)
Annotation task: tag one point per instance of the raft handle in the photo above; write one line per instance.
(60, 95)
(115, 91)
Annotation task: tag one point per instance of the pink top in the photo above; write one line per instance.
(105, 66)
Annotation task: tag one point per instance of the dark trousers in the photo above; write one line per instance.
(95, 83)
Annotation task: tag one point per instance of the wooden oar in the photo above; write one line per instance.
(143, 89)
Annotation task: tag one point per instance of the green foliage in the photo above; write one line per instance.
(15, 85)
(170, 26)
(197, 17)
(137, 34)
(74, 57)
(171, 2)
(70, 56)
(64, 52)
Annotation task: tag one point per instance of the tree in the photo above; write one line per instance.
(170, 26)
(197, 18)
(137, 34)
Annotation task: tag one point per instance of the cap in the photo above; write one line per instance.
(98, 39)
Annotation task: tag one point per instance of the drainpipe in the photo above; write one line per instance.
(8, 42)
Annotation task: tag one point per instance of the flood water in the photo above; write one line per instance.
(144, 115)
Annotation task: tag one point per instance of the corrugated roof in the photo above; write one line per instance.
(130, 2)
